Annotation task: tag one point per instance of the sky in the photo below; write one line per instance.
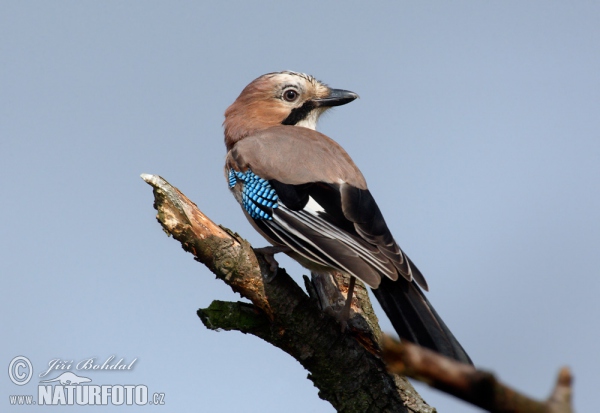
(477, 129)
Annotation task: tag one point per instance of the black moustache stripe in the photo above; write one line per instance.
(299, 114)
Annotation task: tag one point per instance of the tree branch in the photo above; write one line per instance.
(344, 366)
(469, 384)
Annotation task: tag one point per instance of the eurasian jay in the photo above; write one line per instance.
(304, 194)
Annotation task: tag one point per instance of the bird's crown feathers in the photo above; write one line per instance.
(274, 99)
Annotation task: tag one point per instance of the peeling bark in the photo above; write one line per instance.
(346, 366)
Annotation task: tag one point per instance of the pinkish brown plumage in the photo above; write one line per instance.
(304, 194)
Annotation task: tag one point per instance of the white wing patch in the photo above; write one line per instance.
(313, 206)
(308, 217)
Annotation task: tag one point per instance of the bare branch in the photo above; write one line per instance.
(469, 384)
(344, 366)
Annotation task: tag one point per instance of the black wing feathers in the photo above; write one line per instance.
(328, 196)
(353, 211)
(295, 197)
(415, 319)
(350, 234)
(360, 207)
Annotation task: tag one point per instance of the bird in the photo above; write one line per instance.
(303, 193)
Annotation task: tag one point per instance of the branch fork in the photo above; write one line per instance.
(348, 367)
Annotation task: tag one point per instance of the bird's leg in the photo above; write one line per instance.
(345, 313)
(327, 288)
(268, 254)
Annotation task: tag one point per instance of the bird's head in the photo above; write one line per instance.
(282, 98)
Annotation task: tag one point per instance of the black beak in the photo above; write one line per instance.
(337, 97)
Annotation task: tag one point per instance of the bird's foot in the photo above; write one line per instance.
(268, 254)
(327, 289)
(344, 315)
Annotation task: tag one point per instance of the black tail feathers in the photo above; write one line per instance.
(415, 319)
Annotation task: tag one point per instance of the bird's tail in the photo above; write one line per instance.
(415, 319)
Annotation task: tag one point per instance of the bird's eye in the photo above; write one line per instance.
(290, 95)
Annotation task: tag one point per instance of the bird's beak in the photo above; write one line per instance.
(336, 97)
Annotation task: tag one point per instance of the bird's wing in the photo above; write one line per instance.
(323, 211)
(316, 157)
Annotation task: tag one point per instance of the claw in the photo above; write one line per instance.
(268, 254)
(344, 315)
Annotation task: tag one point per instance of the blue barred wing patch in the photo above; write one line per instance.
(258, 197)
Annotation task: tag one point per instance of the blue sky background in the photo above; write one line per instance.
(478, 130)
